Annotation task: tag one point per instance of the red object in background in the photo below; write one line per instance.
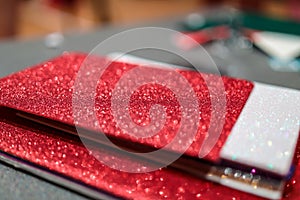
(61, 3)
(249, 33)
(245, 5)
(202, 36)
(252, 5)
(294, 7)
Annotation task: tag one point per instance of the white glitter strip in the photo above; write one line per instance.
(266, 133)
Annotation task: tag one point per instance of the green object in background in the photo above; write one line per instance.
(260, 22)
(196, 21)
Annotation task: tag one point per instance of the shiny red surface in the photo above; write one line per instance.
(67, 156)
(46, 90)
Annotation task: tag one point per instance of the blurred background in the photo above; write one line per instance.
(22, 19)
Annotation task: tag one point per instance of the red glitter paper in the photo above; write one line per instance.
(69, 157)
(46, 90)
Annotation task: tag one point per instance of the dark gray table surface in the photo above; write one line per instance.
(16, 55)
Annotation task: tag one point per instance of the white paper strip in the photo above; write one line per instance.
(278, 45)
(266, 133)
